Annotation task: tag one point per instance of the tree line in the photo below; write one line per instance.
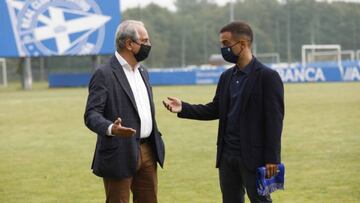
(189, 35)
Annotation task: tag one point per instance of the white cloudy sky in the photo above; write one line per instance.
(125, 4)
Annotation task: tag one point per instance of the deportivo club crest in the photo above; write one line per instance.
(57, 27)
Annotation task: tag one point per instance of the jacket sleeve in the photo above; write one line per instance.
(274, 114)
(96, 101)
(209, 111)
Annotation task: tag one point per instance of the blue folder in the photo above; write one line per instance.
(265, 186)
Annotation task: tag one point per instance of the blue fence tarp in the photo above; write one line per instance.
(350, 71)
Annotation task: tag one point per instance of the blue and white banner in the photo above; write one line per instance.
(57, 27)
(320, 72)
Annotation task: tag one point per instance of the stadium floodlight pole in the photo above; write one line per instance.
(4, 72)
(96, 61)
(277, 26)
(288, 34)
(140, 12)
(358, 55)
(232, 10)
(183, 48)
(42, 68)
(27, 75)
(205, 43)
(254, 47)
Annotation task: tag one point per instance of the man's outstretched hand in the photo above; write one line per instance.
(118, 130)
(173, 104)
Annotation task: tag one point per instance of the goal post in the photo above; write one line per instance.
(274, 57)
(314, 48)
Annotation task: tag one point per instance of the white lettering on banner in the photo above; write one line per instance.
(208, 74)
(301, 74)
(352, 74)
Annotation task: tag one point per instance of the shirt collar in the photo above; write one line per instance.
(124, 63)
(246, 70)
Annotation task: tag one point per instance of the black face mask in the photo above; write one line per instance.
(143, 52)
(228, 54)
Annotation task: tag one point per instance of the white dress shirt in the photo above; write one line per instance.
(141, 96)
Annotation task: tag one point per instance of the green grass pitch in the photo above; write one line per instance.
(46, 151)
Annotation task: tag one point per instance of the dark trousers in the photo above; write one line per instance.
(235, 178)
(143, 185)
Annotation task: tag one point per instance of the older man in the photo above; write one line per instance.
(120, 110)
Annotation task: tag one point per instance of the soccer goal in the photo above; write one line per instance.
(329, 55)
(272, 57)
(309, 51)
(3, 73)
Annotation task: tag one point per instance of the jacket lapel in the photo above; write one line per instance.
(121, 77)
(148, 88)
(225, 96)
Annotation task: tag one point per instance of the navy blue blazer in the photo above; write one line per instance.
(261, 119)
(110, 97)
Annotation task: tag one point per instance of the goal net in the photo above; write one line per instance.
(314, 53)
(272, 57)
(331, 55)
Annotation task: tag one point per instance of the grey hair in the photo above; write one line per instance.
(126, 30)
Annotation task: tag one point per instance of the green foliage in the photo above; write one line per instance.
(193, 28)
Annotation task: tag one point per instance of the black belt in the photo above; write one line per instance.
(144, 140)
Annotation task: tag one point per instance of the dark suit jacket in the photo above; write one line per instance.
(110, 97)
(261, 119)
